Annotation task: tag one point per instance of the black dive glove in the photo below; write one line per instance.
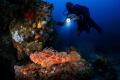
(60, 23)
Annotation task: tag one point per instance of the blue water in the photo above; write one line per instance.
(106, 13)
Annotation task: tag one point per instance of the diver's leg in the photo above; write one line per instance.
(87, 28)
(94, 25)
(79, 29)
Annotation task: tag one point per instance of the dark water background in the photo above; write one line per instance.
(106, 13)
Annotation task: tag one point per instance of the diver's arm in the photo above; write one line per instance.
(61, 23)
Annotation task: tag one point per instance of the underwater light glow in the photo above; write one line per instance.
(68, 20)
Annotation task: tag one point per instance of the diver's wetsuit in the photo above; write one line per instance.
(84, 22)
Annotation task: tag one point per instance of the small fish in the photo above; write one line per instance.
(48, 57)
(39, 25)
(37, 36)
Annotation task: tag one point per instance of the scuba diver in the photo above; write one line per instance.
(81, 15)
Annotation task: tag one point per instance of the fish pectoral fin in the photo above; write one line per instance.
(47, 63)
(73, 56)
